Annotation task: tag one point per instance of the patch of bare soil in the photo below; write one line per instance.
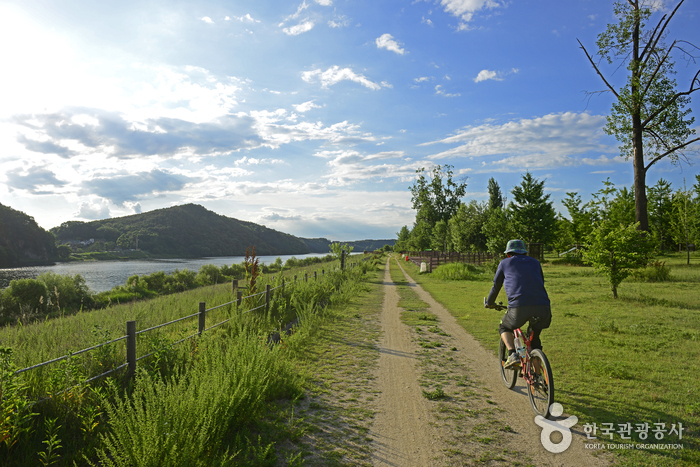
(441, 400)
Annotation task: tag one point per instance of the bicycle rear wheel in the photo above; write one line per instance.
(509, 376)
(541, 391)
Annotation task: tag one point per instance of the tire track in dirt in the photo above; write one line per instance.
(402, 430)
(396, 432)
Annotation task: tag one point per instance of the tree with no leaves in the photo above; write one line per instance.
(648, 116)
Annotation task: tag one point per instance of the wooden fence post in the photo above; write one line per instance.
(315, 276)
(131, 347)
(295, 278)
(306, 277)
(239, 298)
(342, 260)
(283, 285)
(234, 285)
(267, 298)
(202, 317)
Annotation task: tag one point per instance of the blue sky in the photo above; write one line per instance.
(308, 117)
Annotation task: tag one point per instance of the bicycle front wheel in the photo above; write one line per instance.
(509, 377)
(541, 391)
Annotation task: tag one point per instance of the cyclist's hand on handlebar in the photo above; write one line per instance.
(486, 305)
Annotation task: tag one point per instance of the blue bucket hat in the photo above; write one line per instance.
(516, 246)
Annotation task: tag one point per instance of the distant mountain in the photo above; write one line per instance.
(189, 230)
(322, 245)
(22, 241)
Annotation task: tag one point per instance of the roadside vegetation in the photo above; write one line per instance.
(227, 396)
(614, 361)
(52, 295)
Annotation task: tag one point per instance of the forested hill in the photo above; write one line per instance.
(22, 241)
(188, 231)
(322, 245)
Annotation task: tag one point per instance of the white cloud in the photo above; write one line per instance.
(207, 19)
(342, 21)
(427, 21)
(254, 161)
(439, 91)
(244, 19)
(325, 2)
(465, 9)
(423, 79)
(386, 41)
(270, 127)
(487, 74)
(306, 106)
(496, 76)
(300, 28)
(335, 74)
(300, 8)
(93, 211)
(548, 141)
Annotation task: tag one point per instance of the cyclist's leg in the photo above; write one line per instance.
(512, 320)
(545, 319)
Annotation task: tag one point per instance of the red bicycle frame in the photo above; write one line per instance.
(525, 363)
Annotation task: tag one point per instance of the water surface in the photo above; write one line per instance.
(104, 275)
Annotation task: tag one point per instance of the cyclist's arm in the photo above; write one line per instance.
(497, 284)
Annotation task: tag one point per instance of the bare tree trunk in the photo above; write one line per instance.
(640, 173)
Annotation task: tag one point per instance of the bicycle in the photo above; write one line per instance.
(534, 369)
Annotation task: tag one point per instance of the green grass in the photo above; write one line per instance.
(633, 359)
(229, 397)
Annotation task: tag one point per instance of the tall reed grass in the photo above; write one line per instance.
(194, 403)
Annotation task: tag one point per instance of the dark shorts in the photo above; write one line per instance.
(517, 317)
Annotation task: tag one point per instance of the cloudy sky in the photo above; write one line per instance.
(308, 117)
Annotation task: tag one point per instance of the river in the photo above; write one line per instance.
(105, 275)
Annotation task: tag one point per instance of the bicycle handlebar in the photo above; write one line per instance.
(497, 306)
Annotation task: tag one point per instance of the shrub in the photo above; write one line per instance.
(460, 272)
(25, 295)
(571, 260)
(656, 271)
(66, 291)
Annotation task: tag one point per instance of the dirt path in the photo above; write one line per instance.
(402, 430)
(478, 420)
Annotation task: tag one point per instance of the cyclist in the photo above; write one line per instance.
(523, 279)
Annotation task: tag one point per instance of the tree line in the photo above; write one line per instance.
(443, 222)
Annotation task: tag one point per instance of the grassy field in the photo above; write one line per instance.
(631, 360)
(230, 397)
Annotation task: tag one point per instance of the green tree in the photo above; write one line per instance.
(563, 238)
(615, 250)
(661, 213)
(580, 218)
(496, 198)
(439, 239)
(337, 249)
(684, 220)
(436, 196)
(612, 204)
(465, 227)
(648, 116)
(403, 237)
(422, 231)
(533, 216)
(63, 251)
(498, 230)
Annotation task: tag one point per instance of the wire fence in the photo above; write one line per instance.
(131, 332)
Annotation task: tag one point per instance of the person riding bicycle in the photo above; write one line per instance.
(523, 279)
